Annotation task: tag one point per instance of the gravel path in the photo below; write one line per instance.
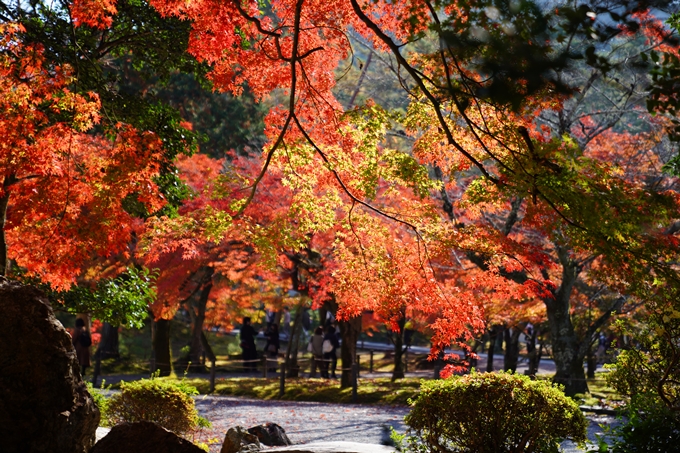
(309, 422)
(303, 422)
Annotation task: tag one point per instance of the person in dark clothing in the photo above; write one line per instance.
(82, 342)
(331, 357)
(248, 334)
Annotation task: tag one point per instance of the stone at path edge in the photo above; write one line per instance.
(146, 437)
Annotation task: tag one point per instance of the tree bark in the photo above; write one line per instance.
(567, 351)
(493, 336)
(4, 203)
(323, 313)
(108, 346)
(534, 354)
(511, 349)
(192, 361)
(592, 363)
(292, 367)
(349, 331)
(161, 347)
(398, 340)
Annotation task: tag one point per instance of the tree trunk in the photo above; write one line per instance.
(534, 354)
(323, 313)
(493, 336)
(193, 361)
(511, 349)
(349, 331)
(4, 203)
(592, 363)
(108, 346)
(565, 344)
(398, 340)
(398, 372)
(161, 347)
(292, 367)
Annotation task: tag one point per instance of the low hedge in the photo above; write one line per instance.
(167, 404)
(493, 413)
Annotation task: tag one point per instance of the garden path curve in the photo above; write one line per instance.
(306, 422)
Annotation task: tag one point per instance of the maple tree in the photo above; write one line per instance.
(475, 97)
(125, 60)
(121, 60)
(195, 267)
(63, 189)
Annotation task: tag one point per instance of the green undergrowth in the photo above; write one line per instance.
(369, 391)
(601, 394)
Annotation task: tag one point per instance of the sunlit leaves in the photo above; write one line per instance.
(66, 189)
(123, 300)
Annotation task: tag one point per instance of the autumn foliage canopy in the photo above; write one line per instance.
(502, 184)
(64, 189)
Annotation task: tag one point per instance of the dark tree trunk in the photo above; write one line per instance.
(323, 313)
(108, 346)
(398, 340)
(349, 331)
(592, 363)
(193, 360)
(567, 352)
(534, 354)
(161, 347)
(107, 349)
(493, 336)
(511, 349)
(292, 367)
(398, 372)
(4, 203)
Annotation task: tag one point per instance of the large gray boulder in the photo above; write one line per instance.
(44, 404)
(270, 434)
(239, 440)
(144, 437)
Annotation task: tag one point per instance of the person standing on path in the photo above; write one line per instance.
(248, 345)
(317, 352)
(331, 358)
(82, 342)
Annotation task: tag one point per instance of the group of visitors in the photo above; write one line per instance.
(323, 345)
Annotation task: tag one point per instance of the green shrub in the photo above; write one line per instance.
(649, 426)
(100, 401)
(170, 405)
(493, 413)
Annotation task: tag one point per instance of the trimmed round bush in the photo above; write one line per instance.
(493, 413)
(167, 404)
